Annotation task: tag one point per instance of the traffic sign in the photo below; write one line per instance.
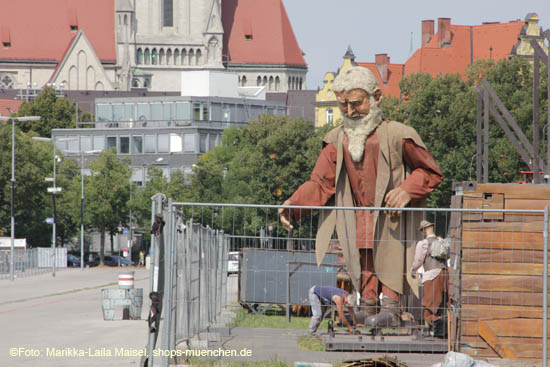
(125, 231)
(48, 179)
(54, 189)
(49, 220)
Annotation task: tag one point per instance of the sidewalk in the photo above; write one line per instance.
(58, 321)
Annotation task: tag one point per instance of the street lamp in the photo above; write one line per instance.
(82, 200)
(54, 191)
(13, 119)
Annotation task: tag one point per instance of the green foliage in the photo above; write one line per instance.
(55, 113)
(107, 193)
(261, 163)
(443, 110)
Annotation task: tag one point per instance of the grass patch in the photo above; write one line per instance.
(274, 318)
(310, 343)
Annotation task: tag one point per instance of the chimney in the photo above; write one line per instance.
(443, 32)
(382, 61)
(427, 31)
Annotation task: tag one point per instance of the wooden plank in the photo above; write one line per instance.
(513, 191)
(512, 283)
(523, 328)
(502, 298)
(502, 268)
(491, 312)
(498, 255)
(498, 345)
(478, 352)
(523, 348)
(534, 226)
(502, 240)
(529, 204)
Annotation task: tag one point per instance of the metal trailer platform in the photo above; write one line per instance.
(387, 344)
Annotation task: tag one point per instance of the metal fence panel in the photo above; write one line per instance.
(497, 274)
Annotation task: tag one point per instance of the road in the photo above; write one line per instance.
(58, 321)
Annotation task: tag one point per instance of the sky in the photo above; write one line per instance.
(325, 28)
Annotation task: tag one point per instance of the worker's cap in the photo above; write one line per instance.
(425, 224)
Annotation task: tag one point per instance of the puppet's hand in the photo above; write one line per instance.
(284, 215)
(397, 198)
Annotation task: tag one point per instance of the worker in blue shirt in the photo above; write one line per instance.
(325, 295)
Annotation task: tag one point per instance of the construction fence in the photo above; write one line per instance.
(495, 296)
(29, 262)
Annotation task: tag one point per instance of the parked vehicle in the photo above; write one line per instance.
(233, 262)
(111, 261)
(73, 261)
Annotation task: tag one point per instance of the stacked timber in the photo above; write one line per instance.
(497, 277)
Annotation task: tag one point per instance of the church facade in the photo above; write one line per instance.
(147, 44)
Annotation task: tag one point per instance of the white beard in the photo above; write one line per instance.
(357, 131)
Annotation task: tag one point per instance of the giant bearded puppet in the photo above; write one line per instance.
(369, 162)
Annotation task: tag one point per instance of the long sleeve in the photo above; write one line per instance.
(425, 174)
(420, 255)
(321, 185)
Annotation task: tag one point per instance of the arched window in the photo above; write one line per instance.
(177, 56)
(191, 57)
(161, 56)
(289, 83)
(125, 19)
(277, 83)
(199, 57)
(259, 81)
(146, 83)
(244, 81)
(330, 116)
(184, 57)
(154, 57)
(264, 82)
(270, 83)
(300, 86)
(169, 57)
(135, 83)
(139, 57)
(147, 57)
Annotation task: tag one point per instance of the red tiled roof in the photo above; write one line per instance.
(270, 36)
(7, 104)
(395, 73)
(456, 57)
(41, 30)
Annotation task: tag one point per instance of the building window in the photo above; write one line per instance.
(150, 144)
(163, 143)
(169, 57)
(154, 56)
(161, 57)
(168, 13)
(189, 142)
(277, 83)
(124, 145)
(111, 142)
(147, 59)
(204, 139)
(99, 142)
(199, 57)
(175, 143)
(330, 116)
(85, 143)
(137, 144)
(244, 81)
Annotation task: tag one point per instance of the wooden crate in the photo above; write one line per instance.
(498, 281)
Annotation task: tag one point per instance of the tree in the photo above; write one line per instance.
(443, 111)
(55, 112)
(261, 163)
(32, 203)
(107, 194)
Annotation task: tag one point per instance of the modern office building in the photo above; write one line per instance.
(168, 132)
